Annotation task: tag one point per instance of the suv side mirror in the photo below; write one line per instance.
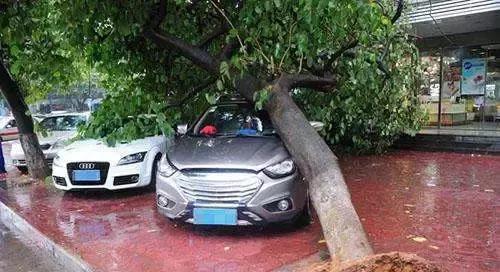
(181, 129)
(317, 125)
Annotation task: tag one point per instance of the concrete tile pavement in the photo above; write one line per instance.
(17, 256)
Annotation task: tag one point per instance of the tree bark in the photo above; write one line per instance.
(343, 231)
(35, 159)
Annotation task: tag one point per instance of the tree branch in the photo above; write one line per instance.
(157, 14)
(380, 62)
(341, 51)
(196, 55)
(308, 81)
(222, 29)
(194, 91)
(322, 70)
(229, 49)
(399, 11)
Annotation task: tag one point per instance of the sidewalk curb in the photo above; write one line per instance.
(21, 227)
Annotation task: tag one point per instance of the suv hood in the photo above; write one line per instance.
(250, 153)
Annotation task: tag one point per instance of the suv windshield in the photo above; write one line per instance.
(61, 123)
(234, 120)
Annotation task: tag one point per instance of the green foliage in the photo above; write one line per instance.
(368, 109)
(53, 43)
(33, 41)
(261, 97)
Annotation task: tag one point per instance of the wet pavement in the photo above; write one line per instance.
(17, 256)
(441, 206)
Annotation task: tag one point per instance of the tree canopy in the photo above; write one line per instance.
(345, 62)
(56, 44)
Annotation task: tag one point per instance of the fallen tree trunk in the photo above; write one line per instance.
(343, 231)
(341, 226)
(37, 166)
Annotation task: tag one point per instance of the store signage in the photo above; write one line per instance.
(473, 76)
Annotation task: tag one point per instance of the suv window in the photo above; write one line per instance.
(234, 120)
(61, 123)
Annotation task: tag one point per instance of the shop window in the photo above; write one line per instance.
(453, 109)
(469, 84)
(429, 89)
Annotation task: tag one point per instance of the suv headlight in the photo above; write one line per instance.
(281, 169)
(132, 158)
(165, 168)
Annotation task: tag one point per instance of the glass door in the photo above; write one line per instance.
(491, 119)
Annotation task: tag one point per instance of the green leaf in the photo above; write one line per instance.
(220, 85)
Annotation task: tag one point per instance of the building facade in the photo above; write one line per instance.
(459, 43)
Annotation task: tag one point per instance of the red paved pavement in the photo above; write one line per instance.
(450, 199)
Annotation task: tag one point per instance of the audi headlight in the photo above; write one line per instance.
(281, 169)
(165, 168)
(132, 158)
(57, 161)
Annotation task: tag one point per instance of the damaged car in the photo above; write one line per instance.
(231, 168)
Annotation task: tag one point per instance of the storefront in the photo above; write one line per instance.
(459, 44)
(461, 87)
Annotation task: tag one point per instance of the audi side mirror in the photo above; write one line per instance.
(317, 125)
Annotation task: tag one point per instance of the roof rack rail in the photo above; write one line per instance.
(234, 97)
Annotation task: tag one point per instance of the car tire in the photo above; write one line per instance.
(22, 169)
(303, 219)
(152, 182)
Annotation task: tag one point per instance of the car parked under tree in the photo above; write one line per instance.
(230, 168)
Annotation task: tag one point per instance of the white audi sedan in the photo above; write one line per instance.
(92, 164)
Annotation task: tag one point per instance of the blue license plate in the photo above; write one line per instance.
(86, 175)
(208, 216)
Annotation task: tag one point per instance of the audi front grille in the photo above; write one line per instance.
(103, 167)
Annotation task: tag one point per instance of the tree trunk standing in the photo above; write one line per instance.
(343, 231)
(35, 159)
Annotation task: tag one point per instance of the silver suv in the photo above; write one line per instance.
(230, 168)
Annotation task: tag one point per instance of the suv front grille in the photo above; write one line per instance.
(219, 187)
(103, 167)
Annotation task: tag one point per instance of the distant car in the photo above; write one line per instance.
(59, 129)
(8, 128)
(231, 168)
(91, 164)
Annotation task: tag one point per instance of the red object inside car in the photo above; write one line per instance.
(208, 130)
